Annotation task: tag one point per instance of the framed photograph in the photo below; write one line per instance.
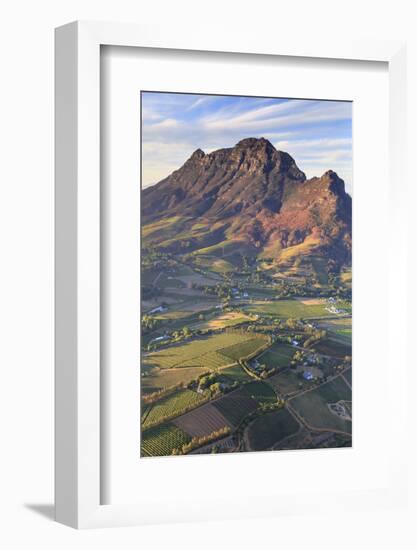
(246, 270)
(230, 293)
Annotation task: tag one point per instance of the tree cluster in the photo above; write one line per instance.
(200, 441)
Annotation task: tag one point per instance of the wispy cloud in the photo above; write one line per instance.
(284, 115)
(198, 102)
(316, 133)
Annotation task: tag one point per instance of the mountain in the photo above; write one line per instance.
(249, 200)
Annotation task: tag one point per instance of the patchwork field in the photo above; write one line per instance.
(228, 410)
(170, 406)
(270, 428)
(205, 352)
(161, 440)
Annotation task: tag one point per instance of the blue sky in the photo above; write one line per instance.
(317, 134)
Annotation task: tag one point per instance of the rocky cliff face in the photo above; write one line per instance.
(253, 194)
(252, 175)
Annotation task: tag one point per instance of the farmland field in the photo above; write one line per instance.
(244, 349)
(335, 323)
(335, 390)
(212, 360)
(161, 440)
(236, 373)
(169, 406)
(222, 320)
(192, 306)
(166, 281)
(347, 332)
(235, 406)
(170, 300)
(225, 411)
(157, 379)
(285, 383)
(333, 347)
(202, 421)
(196, 278)
(348, 375)
(312, 405)
(339, 329)
(279, 355)
(214, 265)
(178, 313)
(148, 276)
(270, 428)
(261, 392)
(290, 308)
(202, 352)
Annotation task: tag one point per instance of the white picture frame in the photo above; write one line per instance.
(78, 406)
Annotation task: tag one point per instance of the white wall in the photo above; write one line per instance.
(26, 303)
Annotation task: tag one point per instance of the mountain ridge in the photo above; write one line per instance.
(254, 195)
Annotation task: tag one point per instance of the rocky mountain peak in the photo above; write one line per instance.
(334, 183)
(255, 194)
(255, 143)
(197, 155)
